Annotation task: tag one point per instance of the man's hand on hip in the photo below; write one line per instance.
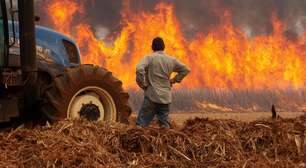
(172, 81)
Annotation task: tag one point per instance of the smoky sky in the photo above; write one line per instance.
(199, 15)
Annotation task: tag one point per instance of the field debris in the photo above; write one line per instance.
(199, 143)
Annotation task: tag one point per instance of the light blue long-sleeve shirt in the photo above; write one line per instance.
(153, 75)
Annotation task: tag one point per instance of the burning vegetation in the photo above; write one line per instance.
(223, 57)
(226, 59)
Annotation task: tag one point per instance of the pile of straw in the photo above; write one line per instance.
(199, 143)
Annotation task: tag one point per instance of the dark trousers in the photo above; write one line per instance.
(149, 109)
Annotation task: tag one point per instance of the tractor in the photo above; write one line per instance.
(42, 77)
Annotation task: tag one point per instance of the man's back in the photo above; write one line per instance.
(157, 68)
(153, 75)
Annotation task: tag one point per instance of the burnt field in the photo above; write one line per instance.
(181, 117)
(226, 100)
(198, 143)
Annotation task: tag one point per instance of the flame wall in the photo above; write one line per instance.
(221, 55)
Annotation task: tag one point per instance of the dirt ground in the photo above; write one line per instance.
(180, 118)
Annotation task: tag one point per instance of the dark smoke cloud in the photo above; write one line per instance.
(200, 15)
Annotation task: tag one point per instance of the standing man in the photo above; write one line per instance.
(153, 75)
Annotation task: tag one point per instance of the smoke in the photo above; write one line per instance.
(101, 32)
(252, 16)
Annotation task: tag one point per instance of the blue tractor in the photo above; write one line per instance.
(42, 77)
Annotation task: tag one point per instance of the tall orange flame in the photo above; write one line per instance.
(223, 58)
(62, 12)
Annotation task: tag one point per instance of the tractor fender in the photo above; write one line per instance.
(54, 70)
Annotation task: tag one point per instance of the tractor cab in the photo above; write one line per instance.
(3, 34)
(51, 47)
(17, 83)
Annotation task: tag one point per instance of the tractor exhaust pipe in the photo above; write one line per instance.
(27, 39)
(28, 58)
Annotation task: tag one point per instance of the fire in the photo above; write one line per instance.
(62, 12)
(224, 58)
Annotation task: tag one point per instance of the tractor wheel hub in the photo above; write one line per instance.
(90, 111)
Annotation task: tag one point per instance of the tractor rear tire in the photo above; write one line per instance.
(86, 91)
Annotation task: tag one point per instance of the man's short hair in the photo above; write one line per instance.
(158, 44)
